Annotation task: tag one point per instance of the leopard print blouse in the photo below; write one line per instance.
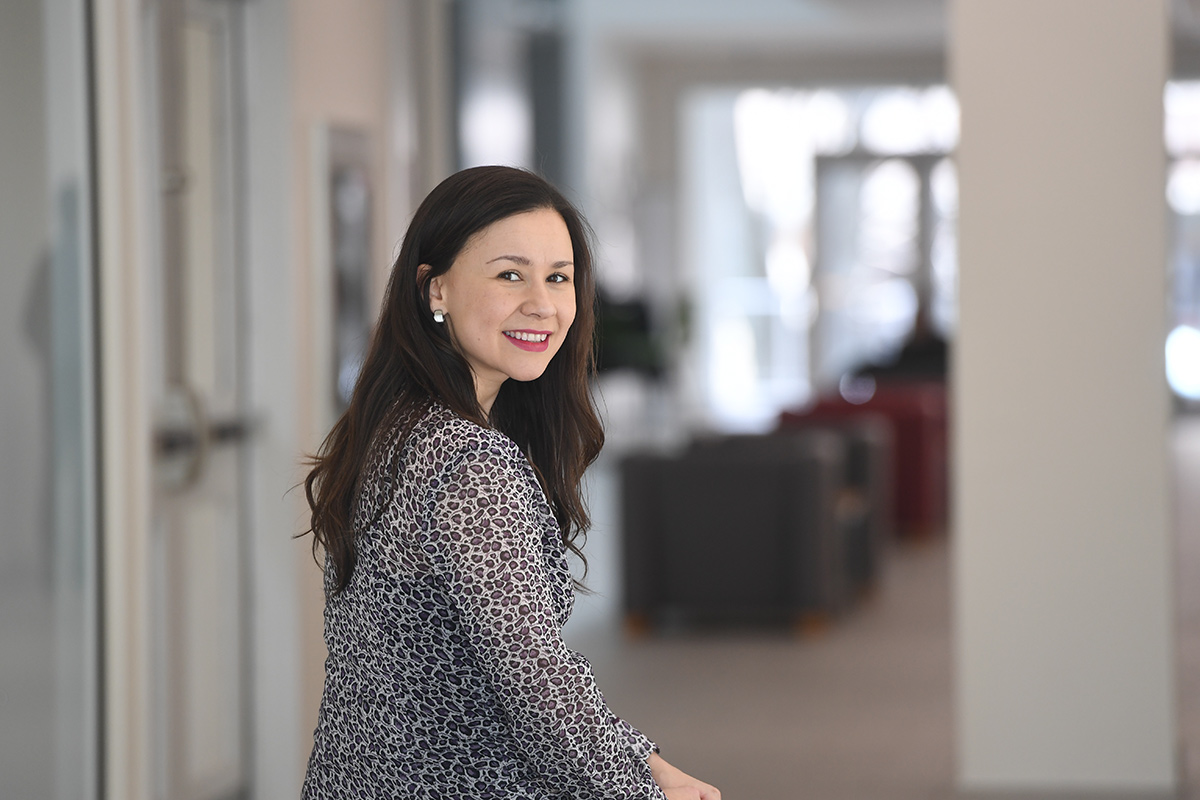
(447, 675)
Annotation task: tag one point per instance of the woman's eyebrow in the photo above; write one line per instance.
(525, 262)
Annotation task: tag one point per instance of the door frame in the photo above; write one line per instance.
(126, 258)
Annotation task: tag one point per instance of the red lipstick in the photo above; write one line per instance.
(535, 341)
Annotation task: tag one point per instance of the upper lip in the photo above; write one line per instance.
(527, 330)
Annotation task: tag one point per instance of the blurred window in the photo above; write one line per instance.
(817, 222)
(1182, 130)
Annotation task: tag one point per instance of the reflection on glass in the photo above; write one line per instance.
(48, 587)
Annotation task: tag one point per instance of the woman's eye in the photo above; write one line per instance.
(510, 275)
(558, 277)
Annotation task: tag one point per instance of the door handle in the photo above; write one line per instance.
(173, 440)
(185, 434)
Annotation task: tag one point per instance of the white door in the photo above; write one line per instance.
(199, 586)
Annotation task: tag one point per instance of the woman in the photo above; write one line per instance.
(445, 499)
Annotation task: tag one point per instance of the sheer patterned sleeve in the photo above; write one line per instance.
(485, 540)
(638, 742)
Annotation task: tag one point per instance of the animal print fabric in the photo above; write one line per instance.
(447, 674)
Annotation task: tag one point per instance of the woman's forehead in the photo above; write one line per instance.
(539, 236)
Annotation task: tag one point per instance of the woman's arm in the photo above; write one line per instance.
(485, 539)
(677, 784)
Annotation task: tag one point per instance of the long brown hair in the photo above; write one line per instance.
(411, 361)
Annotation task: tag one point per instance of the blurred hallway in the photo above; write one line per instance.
(861, 711)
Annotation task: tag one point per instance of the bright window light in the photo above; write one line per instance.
(940, 109)
(1182, 123)
(893, 123)
(1183, 361)
(773, 137)
(1183, 187)
(834, 126)
(497, 127)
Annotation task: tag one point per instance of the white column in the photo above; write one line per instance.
(1063, 591)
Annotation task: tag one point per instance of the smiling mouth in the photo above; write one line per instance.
(533, 342)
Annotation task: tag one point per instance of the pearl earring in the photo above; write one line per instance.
(439, 315)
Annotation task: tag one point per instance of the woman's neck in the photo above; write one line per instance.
(485, 394)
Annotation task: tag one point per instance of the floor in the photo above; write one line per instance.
(860, 712)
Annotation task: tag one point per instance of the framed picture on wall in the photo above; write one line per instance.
(343, 217)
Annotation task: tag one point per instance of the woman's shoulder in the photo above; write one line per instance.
(445, 441)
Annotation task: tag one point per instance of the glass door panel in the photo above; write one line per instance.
(49, 652)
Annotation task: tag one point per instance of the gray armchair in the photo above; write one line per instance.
(740, 529)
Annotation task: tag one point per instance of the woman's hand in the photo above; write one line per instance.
(677, 784)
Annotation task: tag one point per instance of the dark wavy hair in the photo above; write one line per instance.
(411, 362)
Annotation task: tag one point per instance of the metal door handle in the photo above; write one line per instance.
(172, 440)
(185, 434)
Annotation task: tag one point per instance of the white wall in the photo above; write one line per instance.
(1062, 589)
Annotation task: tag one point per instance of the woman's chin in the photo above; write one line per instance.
(529, 369)
(526, 375)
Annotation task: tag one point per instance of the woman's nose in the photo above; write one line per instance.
(538, 302)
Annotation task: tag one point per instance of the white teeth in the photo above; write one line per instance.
(527, 337)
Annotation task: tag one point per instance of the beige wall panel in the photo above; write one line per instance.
(1063, 592)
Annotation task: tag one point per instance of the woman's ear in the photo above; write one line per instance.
(437, 290)
(435, 284)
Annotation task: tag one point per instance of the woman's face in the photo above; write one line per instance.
(509, 298)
